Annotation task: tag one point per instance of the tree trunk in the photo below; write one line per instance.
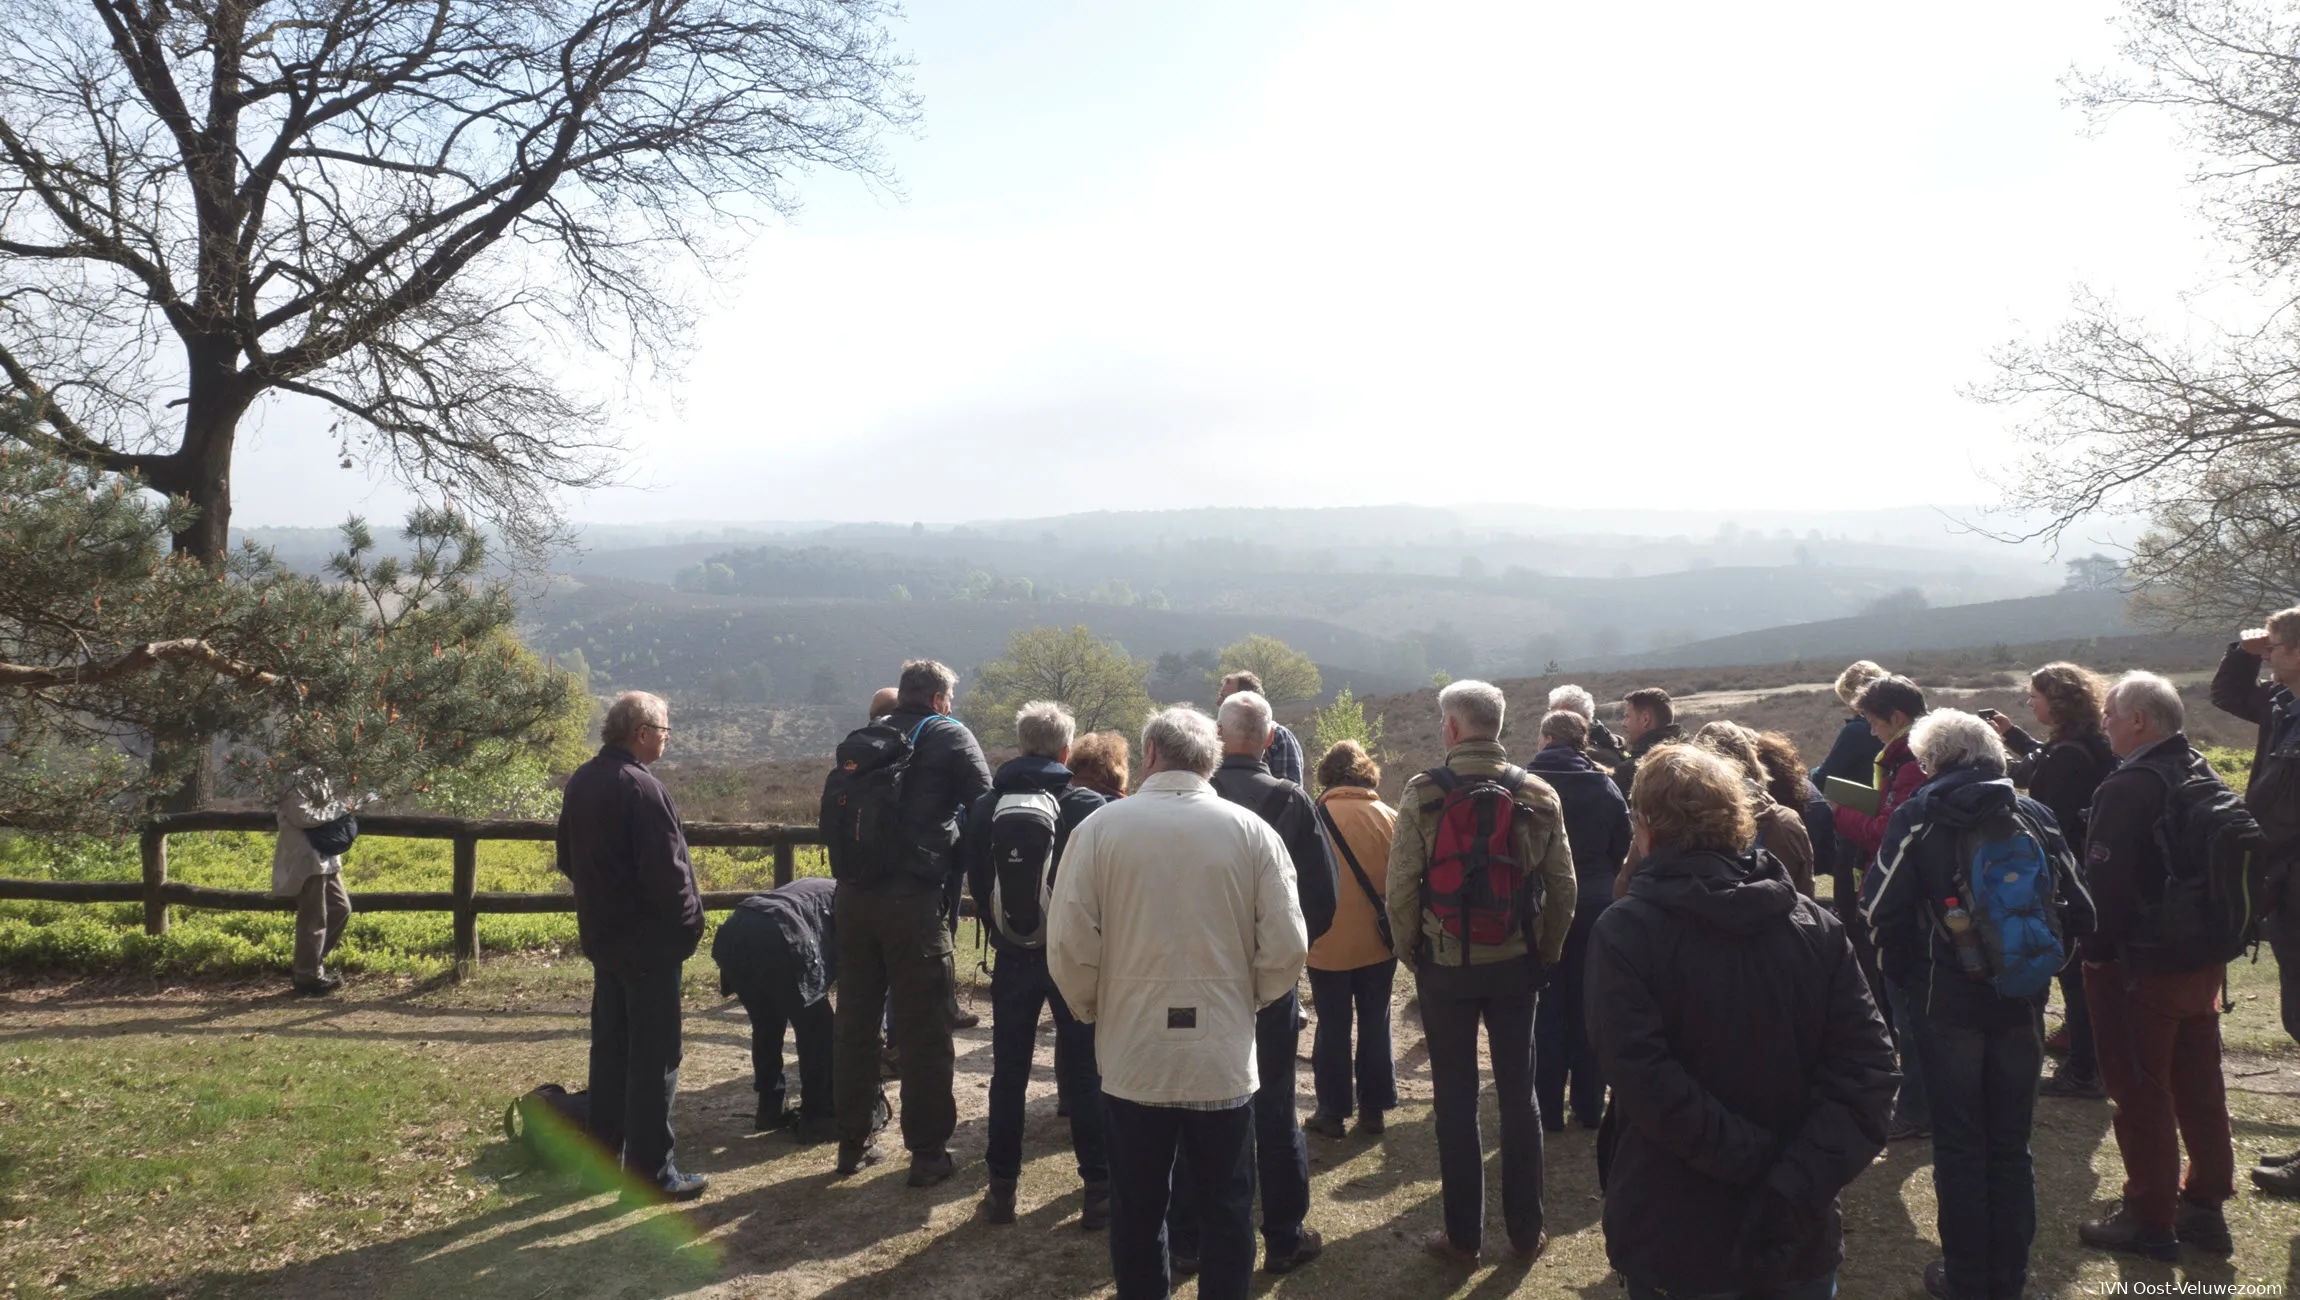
(201, 472)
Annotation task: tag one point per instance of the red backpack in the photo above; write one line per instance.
(1479, 890)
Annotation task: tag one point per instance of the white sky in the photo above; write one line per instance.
(1190, 253)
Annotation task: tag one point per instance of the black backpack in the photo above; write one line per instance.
(2215, 871)
(1023, 826)
(862, 804)
(545, 1122)
(332, 839)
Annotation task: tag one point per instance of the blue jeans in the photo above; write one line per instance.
(1157, 1151)
(1823, 1288)
(1561, 1045)
(1363, 996)
(1908, 1028)
(1281, 1157)
(1019, 986)
(1982, 1084)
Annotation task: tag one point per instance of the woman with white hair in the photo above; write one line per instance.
(1984, 961)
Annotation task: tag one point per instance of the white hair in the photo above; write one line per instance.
(1044, 728)
(1246, 716)
(1573, 699)
(1184, 739)
(630, 711)
(1946, 738)
(1476, 705)
(2150, 696)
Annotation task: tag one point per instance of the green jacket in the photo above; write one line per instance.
(1541, 845)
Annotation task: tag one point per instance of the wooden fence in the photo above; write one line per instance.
(464, 899)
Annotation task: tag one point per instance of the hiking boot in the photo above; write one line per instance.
(966, 1020)
(2125, 1234)
(2278, 1180)
(929, 1168)
(770, 1118)
(2204, 1227)
(1307, 1248)
(998, 1203)
(1528, 1254)
(854, 1157)
(1181, 1265)
(1937, 1279)
(1094, 1216)
(319, 985)
(815, 1131)
(674, 1187)
(2068, 1083)
(1904, 1130)
(2278, 1161)
(1440, 1246)
(1369, 1124)
(1325, 1125)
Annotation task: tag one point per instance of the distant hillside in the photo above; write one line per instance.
(2062, 616)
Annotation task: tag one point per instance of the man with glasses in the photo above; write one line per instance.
(640, 918)
(2274, 798)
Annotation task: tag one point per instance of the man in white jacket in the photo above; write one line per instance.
(314, 879)
(1174, 921)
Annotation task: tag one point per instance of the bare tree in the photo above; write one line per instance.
(413, 211)
(2202, 437)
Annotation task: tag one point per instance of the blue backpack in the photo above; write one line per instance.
(2006, 881)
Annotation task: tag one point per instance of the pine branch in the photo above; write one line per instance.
(143, 658)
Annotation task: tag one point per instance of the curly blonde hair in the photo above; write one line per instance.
(1689, 798)
(2072, 695)
(1856, 675)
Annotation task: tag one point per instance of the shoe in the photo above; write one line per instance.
(2204, 1227)
(769, 1119)
(2056, 1043)
(890, 1063)
(1937, 1279)
(319, 985)
(1440, 1245)
(1907, 1131)
(1306, 1250)
(1369, 1124)
(1324, 1125)
(2278, 1161)
(854, 1157)
(815, 1132)
(1528, 1254)
(2121, 1232)
(1181, 1265)
(674, 1187)
(998, 1203)
(2282, 1180)
(2067, 1083)
(1094, 1216)
(927, 1170)
(966, 1020)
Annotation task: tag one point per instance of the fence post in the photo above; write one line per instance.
(786, 862)
(155, 848)
(466, 910)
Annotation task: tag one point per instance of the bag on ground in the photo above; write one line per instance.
(546, 1122)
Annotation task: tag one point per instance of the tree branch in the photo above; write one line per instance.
(142, 658)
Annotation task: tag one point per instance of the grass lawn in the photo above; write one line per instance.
(219, 1139)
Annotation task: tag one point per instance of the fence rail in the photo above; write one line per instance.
(463, 899)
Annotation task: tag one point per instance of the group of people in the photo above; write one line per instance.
(1631, 916)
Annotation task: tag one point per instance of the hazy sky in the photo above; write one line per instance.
(1185, 253)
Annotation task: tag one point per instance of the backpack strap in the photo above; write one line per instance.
(1365, 882)
(914, 731)
(1275, 801)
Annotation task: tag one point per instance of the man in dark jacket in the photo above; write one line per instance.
(2157, 1021)
(2274, 798)
(1983, 1052)
(1282, 1157)
(1648, 719)
(640, 918)
(1042, 808)
(1734, 1132)
(1283, 755)
(894, 939)
(778, 952)
(1597, 829)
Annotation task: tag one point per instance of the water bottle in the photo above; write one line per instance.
(1966, 940)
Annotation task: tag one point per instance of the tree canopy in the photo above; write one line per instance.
(1101, 685)
(1288, 676)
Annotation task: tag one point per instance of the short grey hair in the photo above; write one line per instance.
(1946, 738)
(1245, 715)
(1184, 738)
(921, 681)
(1044, 728)
(1573, 699)
(630, 711)
(2150, 696)
(1477, 706)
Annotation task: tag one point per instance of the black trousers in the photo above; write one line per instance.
(758, 965)
(1454, 1000)
(635, 1051)
(1156, 1152)
(1346, 1079)
(2284, 940)
(1562, 1050)
(1281, 1156)
(893, 942)
(1981, 1082)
